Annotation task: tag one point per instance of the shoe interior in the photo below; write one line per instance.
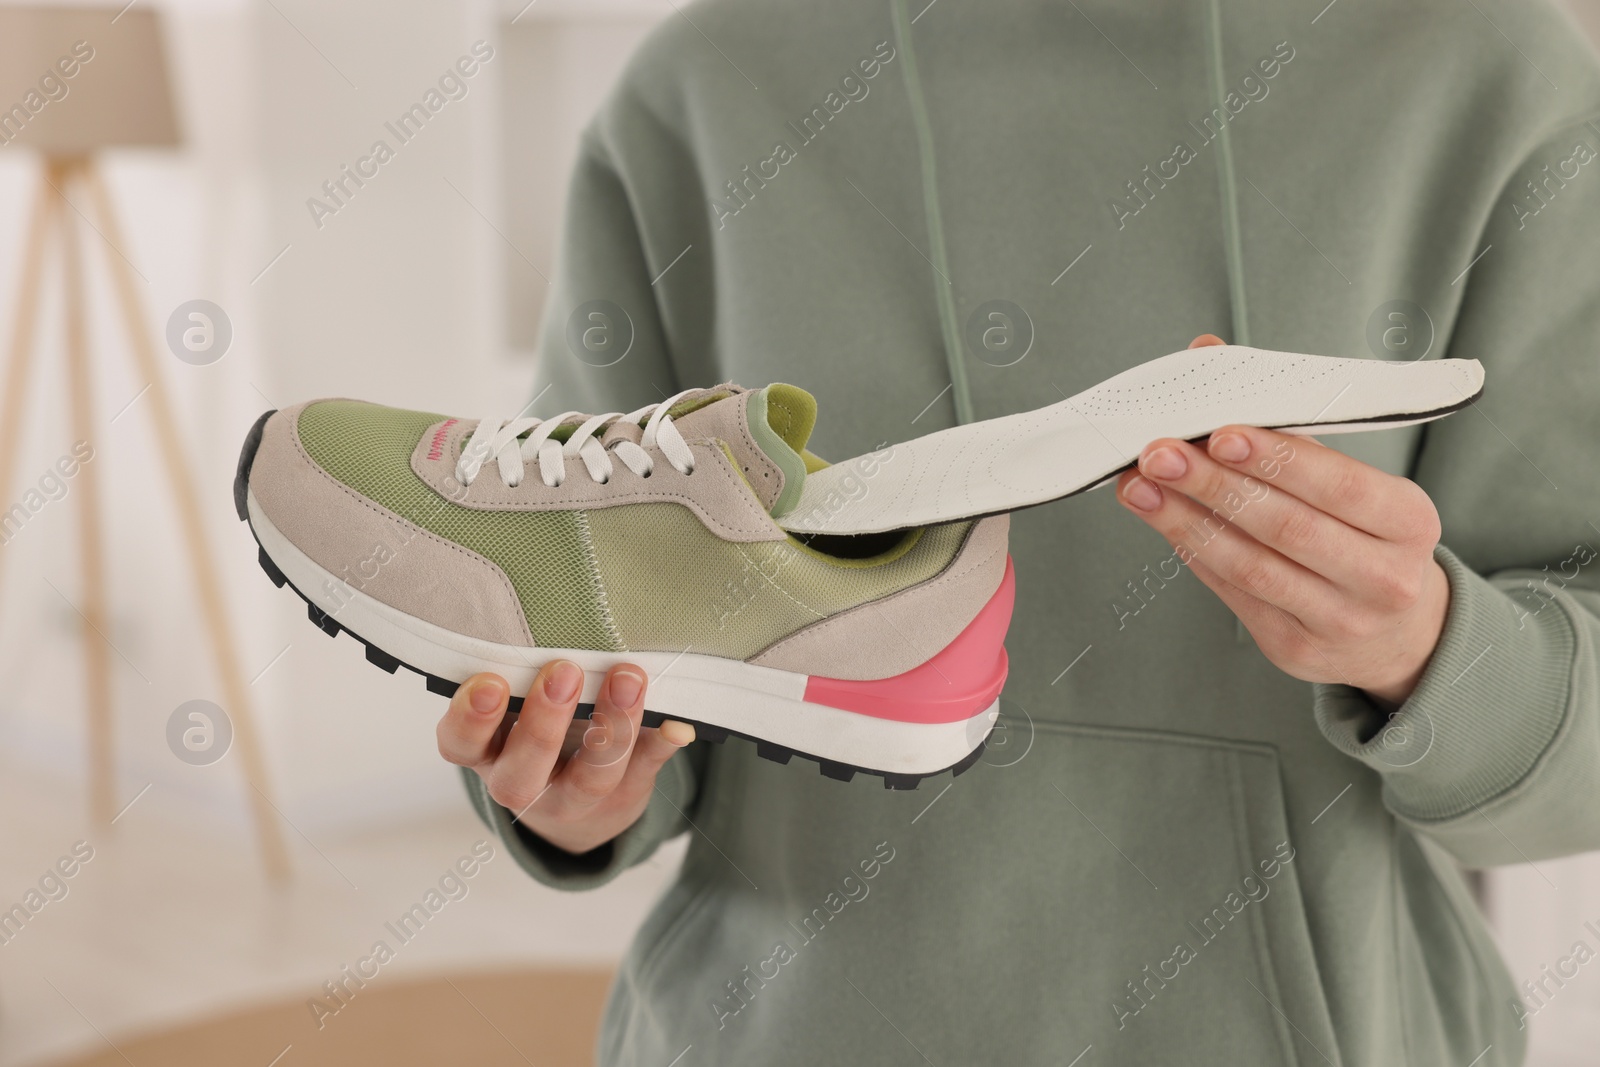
(862, 548)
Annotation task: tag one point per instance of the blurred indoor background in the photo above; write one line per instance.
(171, 945)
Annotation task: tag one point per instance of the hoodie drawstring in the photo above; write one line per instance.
(1233, 242)
(949, 322)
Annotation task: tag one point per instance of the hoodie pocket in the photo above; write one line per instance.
(1132, 890)
(1207, 948)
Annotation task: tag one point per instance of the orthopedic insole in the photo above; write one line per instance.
(1037, 456)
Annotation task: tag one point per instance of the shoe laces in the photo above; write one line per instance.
(503, 441)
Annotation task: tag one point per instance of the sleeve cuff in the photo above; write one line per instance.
(1486, 710)
(555, 867)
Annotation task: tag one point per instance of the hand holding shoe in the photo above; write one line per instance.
(575, 783)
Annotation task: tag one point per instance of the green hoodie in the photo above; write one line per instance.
(1174, 852)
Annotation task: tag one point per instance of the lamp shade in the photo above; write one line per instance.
(74, 80)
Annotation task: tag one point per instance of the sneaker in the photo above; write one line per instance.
(452, 546)
(1089, 439)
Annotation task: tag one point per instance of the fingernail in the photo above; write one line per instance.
(625, 688)
(485, 696)
(1230, 447)
(1165, 463)
(562, 680)
(677, 733)
(1142, 494)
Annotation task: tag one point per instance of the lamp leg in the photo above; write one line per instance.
(91, 550)
(218, 626)
(19, 360)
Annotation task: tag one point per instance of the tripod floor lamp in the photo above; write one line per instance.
(75, 81)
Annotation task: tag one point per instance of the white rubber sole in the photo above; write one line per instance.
(761, 703)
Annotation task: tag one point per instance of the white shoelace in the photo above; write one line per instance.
(499, 439)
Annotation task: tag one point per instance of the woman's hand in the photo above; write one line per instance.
(577, 784)
(1327, 560)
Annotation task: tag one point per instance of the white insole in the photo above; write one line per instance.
(1036, 456)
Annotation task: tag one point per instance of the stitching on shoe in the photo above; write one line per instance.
(788, 416)
(761, 457)
(382, 512)
(832, 622)
(774, 583)
(947, 575)
(606, 615)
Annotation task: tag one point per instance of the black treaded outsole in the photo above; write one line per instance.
(768, 750)
(381, 659)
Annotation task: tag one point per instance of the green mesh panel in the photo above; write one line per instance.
(368, 448)
(672, 584)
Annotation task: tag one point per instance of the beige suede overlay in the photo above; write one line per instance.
(891, 636)
(729, 421)
(371, 549)
(715, 492)
(622, 431)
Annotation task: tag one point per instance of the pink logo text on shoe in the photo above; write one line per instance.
(436, 446)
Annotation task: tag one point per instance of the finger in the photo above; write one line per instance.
(1198, 532)
(1381, 504)
(1314, 539)
(650, 754)
(469, 731)
(521, 771)
(1294, 649)
(1268, 623)
(600, 761)
(1206, 340)
(1258, 616)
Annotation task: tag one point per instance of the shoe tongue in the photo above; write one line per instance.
(765, 430)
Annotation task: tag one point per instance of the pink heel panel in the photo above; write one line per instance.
(958, 683)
